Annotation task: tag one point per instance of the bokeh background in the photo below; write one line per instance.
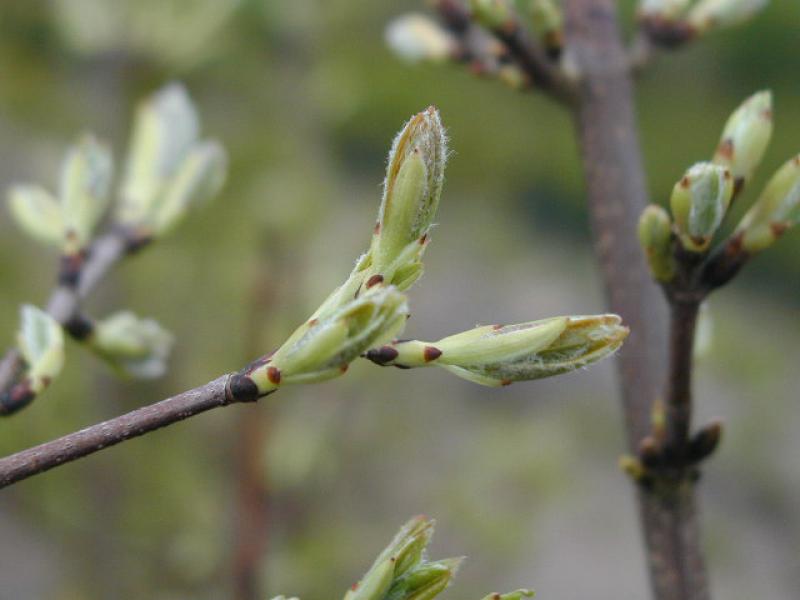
(522, 480)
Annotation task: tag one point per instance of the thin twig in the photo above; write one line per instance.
(66, 299)
(612, 158)
(683, 322)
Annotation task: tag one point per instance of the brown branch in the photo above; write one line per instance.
(76, 445)
(65, 300)
(605, 120)
(683, 322)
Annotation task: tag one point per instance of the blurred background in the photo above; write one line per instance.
(297, 494)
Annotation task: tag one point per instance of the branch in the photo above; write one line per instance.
(76, 445)
(617, 195)
(66, 299)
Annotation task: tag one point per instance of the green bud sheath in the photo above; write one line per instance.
(699, 202)
(746, 136)
(412, 188)
(655, 236)
(426, 581)
(775, 211)
(41, 343)
(37, 213)
(375, 584)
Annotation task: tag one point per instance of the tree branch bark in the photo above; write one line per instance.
(617, 194)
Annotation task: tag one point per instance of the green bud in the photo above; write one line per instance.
(662, 9)
(167, 167)
(426, 581)
(37, 213)
(199, 178)
(135, 347)
(714, 14)
(746, 136)
(408, 545)
(416, 38)
(375, 583)
(324, 347)
(515, 595)
(775, 211)
(547, 21)
(492, 13)
(83, 190)
(411, 193)
(655, 236)
(498, 355)
(699, 202)
(41, 343)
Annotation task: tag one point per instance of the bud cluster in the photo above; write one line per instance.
(672, 22)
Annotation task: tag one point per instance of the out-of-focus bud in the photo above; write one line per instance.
(547, 20)
(699, 202)
(662, 9)
(498, 355)
(705, 441)
(324, 347)
(41, 343)
(632, 467)
(715, 14)
(199, 178)
(83, 189)
(136, 347)
(426, 581)
(37, 213)
(411, 194)
(775, 211)
(655, 236)
(167, 168)
(746, 136)
(493, 14)
(417, 38)
(512, 76)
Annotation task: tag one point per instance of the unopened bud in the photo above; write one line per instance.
(705, 441)
(135, 347)
(493, 14)
(746, 136)
(426, 581)
(655, 236)
(167, 166)
(83, 190)
(375, 583)
(497, 355)
(662, 9)
(715, 14)
(411, 193)
(37, 213)
(632, 467)
(41, 344)
(323, 348)
(699, 202)
(775, 211)
(416, 38)
(547, 20)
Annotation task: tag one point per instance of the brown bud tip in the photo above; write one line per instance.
(382, 356)
(374, 280)
(343, 368)
(274, 375)
(649, 452)
(725, 149)
(705, 442)
(431, 353)
(506, 382)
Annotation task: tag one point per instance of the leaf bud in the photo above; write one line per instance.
(655, 237)
(775, 211)
(133, 346)
(715, 14)
(41, 344)
(416, 38)
(494, 14)
(746, 136)
(37, 213)
(699, 202)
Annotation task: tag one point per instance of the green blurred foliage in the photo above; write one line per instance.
(306, 98)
